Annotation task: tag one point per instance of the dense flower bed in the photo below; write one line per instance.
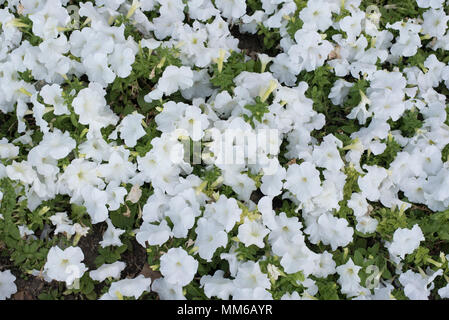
(260, 149)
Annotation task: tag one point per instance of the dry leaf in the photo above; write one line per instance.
(128, 212)
(20, 9)
(189, 243)
(335, 54)
(134, 194)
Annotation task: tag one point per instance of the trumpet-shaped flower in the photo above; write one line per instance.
(178, 267)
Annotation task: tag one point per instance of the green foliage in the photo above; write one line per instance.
(194, 292)
(418, 59)
(126, 95)
(9, 198)
(384, 159)
(435, 226)
(252, 252)
(328, 290)
(445, 153)
(354, 97)
(390, 220)
(270, 37)
(26, 254)
(343, 13)
(286, 284)
(351, 186)
(27, 31)
(235, 64)
(320, 83)
(408, 123)
(130, 28)
(52, 294)
(294, 23)
(252, 6)
(109, 254)
(257, 111)
(419, 257)
(394, 10)
(85, 288)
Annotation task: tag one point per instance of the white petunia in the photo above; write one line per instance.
(65, 265)
(178, 267)
(7, 285)
(210, 236)
(105, 271)
(405, 241)
(252, 232)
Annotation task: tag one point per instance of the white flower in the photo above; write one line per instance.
(7, 285)
(252, 232)
(91, 107)
(21, 171)
(97, 68)
(224, 211)
(366, 224)
(339, 91)
(310, 51)
(121, 60)
(352, 24)
(210, 236)
(178, 267)
(409, 41)
(95, 201)
(8, 150)
(296, 256)
(173, 79)
(116, 195)
(57, 144)
(111, 237)
(349, 278)
(118, 168)
(181, 215)
(418, 286)
(217, 285)
(435, 22)
(128, 288)
(52, 95)
(65, 265)
(112, 270)
(316, 16)
(303, 181)
(333, 231)
(444, 292)
(131, 129)
(284, 228)
(166, 290)
(358, 204)
(370, 183)
(250, 276)
(325, 266)
(232, 9)
(405, 241)
(272, 183)
(435, 4)
(155, 235)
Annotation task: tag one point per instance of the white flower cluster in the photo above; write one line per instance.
(297, 166)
